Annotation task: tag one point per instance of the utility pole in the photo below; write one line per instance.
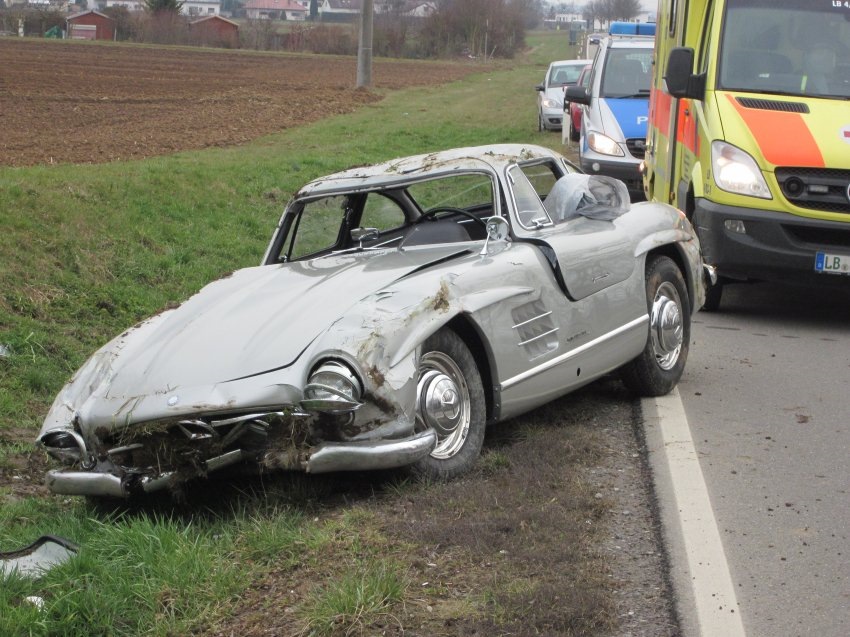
(364, 52)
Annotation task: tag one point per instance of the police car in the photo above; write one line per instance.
(616, 105)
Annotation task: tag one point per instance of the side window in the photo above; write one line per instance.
(381, 212)
(541, 176)
(471, 191)
(318, 227)
(529, 207)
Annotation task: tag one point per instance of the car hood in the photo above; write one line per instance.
(254, 321)
(556, 93)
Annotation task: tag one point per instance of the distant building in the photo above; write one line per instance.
(201, 7)
(90, 25)
(410, 8)
(276, 10)
(189, 8)
(214, 30)
(340, 10)
(130, 5)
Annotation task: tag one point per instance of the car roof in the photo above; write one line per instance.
(569, 63)
(493, 157)
(629, 43)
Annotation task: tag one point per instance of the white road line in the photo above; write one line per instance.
(691, 519)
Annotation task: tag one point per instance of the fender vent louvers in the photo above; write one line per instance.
(773, 105)
(535, 329)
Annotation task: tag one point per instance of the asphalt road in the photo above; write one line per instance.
(766, 393)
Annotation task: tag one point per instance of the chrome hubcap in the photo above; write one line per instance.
(666, 326)
(442, 403)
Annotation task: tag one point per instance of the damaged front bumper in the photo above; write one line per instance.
(104, 477)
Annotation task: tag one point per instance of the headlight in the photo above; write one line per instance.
(332, 388)
(548, 102)
(735, 171)
(603, 144)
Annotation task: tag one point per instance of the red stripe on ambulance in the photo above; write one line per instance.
(773, 130)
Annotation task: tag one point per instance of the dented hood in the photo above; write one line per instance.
(256, 320)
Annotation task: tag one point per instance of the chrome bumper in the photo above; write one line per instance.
(109, 485)
(325, 458)
(369, 455)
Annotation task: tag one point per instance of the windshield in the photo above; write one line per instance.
(793, 47)
(565, 74)
(627, 73)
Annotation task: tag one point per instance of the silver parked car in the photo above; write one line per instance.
(550, 94)
(398, 310)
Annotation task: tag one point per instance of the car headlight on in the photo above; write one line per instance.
(736, 171)
(603, 144)
(548, 102)
(332, 388)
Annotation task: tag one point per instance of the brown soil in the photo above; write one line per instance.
(72, 102)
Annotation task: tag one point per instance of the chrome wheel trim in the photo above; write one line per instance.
(666, 326)
(442, 403)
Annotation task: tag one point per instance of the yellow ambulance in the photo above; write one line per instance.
(749, 135)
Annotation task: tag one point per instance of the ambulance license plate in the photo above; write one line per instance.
(826, 263)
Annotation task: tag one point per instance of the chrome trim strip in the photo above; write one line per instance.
(539, 336)
(535, 318)
(563, 358)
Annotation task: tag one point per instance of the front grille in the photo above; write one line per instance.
(819, 237)
(636, 146)
(823, 189)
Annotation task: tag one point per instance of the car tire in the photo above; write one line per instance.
(446, 365)
(659, 367)
(540, 127)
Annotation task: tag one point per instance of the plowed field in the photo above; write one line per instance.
(89, 103)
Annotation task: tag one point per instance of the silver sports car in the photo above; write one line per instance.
(399, 309)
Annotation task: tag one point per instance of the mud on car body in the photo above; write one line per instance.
(398, 310)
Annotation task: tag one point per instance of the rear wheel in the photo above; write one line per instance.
(659, 367)
(450, 400)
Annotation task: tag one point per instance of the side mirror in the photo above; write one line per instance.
(498, 231)
(680, 79)
(539, 87)
(577, 94)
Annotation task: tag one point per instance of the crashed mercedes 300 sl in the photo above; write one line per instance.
(398, 310)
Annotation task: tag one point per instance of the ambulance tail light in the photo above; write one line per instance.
(736, 171)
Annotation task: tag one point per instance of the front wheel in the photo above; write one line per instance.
(450, 400)
(540, 127)
(659, 367)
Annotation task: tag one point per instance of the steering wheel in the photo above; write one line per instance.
(429, 214)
